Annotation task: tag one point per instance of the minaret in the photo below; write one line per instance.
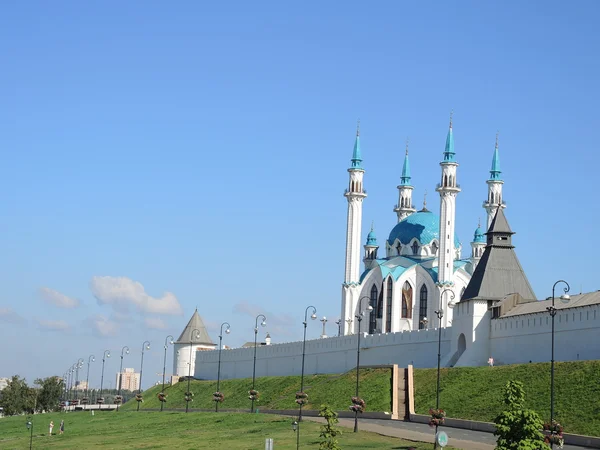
(477, 246)
(494, 200)
(370, 249)
(355, 195)
(448, 189)
(405, 208)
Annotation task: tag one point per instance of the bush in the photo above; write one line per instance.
(329, 432)
(518, 428)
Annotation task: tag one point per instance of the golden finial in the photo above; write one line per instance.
(451, 113)
(358, 128)
(497, 133)
(406, 147)
(372, 225)
(425, 200)
(479, 222)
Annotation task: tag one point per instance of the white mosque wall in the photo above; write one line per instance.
(329, 355)
(525, 338)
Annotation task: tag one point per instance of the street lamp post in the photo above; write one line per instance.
(79, 365)
(167, 342)
(552, 310)
(91, 359)
(105, 355)
(359, 317)
(263, 323)
(305, 323)
(69, 384)
(339, 324)
(29, 425)
(227, 330)
(145, 346)
(124, 351)
(440, 314)
(188, 400)
(73, 378)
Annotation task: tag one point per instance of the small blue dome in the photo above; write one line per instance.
(371, 238)
(479, 236)
(423, 225)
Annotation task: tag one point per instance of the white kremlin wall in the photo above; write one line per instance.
(329, 355)
(524, 338)
(509, 340)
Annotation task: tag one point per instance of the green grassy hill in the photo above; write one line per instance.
(476, 392)
(280, 392)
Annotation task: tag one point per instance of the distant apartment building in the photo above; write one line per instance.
(129, 380)
(81, 385)
(4, 382)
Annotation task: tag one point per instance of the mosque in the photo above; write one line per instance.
(422, 252)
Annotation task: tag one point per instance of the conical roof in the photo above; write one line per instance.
(200, 337)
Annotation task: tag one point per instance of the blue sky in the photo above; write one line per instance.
(196, 155)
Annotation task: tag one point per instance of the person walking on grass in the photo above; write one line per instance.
(51, 428)
(62, 427)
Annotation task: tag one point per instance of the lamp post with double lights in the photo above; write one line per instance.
(91, 359)
(552, 310)
(300, 400)
(167, 342)
(124, 351)
(188, 394)
(79, 366)
(145, 346)
(227, 330)
(105, 355)
(359, 317)
(264, 324)
(440, 314)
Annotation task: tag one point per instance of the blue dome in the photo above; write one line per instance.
(479, 235)
(423, 225)
(371, 238)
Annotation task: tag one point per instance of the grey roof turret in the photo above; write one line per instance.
(186, 336)
(499, 272)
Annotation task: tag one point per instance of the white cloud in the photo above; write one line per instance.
(122, 292)
(103, 326)
(277, 324)
(8, 315)
(53, 325)
(58, 299)
(155, 323)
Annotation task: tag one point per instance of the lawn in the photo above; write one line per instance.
(172, 430)
(476, 392)
(280, 392)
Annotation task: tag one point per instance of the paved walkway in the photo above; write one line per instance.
(458, 438)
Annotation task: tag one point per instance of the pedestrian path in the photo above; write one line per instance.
(458, 438)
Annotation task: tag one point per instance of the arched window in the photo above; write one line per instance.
(434, 248)
(380, 303)
(388, 319)
(422, 305)
(415, 248)
(373, 315)
(399, 247)
(407, 300)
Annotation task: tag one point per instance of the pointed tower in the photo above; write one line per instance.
(370, 250)
(448, 190)
(477, 246)
(494, 200)
(355, 195)
(405, 208)
(193, 338)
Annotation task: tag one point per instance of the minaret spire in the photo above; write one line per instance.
(405, 208)
(355, 194)
(495, 182)
(356, 158)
